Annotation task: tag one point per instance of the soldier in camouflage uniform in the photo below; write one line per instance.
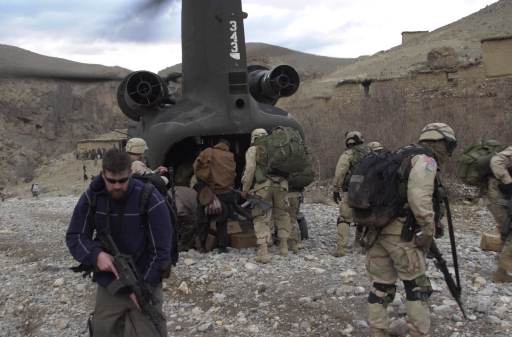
(390, 258)
(499, 194)
(356, 150)
(294, 200)
(273, 190)
(376, 147)
(136, 148)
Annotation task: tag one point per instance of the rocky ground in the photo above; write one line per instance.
(308, 294)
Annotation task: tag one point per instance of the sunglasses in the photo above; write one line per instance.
(115, 181)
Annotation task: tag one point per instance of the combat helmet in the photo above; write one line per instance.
(439, 131)
(257, 133)
(353, 138)
(136, 146)
(375, 146)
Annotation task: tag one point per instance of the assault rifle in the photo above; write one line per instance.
(129, 278)
(253, 200)
(454, 287)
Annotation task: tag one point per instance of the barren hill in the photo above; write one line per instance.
(463, 35)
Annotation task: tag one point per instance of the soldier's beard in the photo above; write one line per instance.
(116, 194)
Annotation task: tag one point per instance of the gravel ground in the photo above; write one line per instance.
(308, 294)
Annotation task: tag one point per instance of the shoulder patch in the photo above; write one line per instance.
(430, 164)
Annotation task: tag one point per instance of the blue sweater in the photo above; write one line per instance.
(149, 244)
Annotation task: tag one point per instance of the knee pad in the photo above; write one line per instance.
(418, 289)
(382, 294)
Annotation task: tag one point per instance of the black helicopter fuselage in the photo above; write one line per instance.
(221, 96)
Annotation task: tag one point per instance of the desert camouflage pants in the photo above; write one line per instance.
(343, 223)
(497, 205)
(275, 217)
(117, 316)
(386, 261)
(293, 210)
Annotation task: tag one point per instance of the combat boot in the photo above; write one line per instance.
(283, 247)
(294, 247)
(501, 276)
(262, 255)
(339, 251)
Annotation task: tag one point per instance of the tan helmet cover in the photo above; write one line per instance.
(136, 145)
(437, 131)
(257, 133)
(375, 146)
(352, 137)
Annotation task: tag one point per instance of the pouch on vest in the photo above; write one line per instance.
(377, 188)
(473, 166)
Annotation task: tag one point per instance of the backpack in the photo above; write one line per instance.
(377, 190)
(281, 153)
(359, 152)
(473, 166)
(297, 181)
(216, 167)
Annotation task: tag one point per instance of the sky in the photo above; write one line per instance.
(128, 34)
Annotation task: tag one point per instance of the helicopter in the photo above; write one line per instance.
(221, 95)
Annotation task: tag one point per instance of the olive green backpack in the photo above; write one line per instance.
(473, 166)
(283, 153)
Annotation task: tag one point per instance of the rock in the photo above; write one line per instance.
(205, 327)
(479, 282)
(178, 328)
(443, 309)
(360, 324)
(318, 271)
(348, 330)
(80, 287)
(348, 276)
(253, 328)
(189, 261)
(484, 303)
(305, 325)
(398, 327)
(184, 288)
(305, 300)
(250, 266)
(218, 298)
(58, 282)
(61, 324)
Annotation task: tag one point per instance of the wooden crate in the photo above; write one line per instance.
(490, 242)
(243, 240)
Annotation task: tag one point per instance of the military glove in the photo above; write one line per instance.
(423, 240)
(336, 196)
(506, 189)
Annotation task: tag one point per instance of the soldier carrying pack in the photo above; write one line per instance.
(473, 166)
(377, 190)
(283, 153)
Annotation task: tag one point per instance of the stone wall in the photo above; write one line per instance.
(497, 56)
(395, 110)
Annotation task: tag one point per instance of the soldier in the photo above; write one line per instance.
(389, 257)
(294, 200)
(35, 191)
(111, 205)
(499, 195)
(376, 147)
(272, 189)
(215, 170)
(356, 150)
(136, 148)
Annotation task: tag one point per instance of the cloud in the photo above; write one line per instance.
(117, 32)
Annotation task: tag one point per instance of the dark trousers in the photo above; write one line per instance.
(228, 201)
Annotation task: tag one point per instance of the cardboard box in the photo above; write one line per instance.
(243, 240)
(234, 227)
(491, 242)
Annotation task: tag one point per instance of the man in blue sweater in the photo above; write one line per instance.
(112, 204)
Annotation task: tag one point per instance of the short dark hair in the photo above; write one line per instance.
(116, 161)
